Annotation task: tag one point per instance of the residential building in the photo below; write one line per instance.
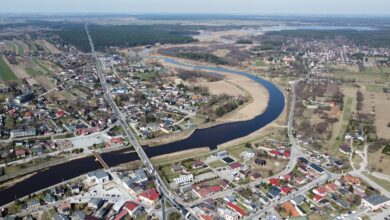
(184, 179)
(98, 176)
(150, 197)
(23, 132)
(375, 202)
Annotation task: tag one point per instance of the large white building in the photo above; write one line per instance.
(184, 179)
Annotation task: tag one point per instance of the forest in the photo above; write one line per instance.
(122, 35)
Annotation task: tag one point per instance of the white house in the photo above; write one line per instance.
(98, 176)
(184, 179)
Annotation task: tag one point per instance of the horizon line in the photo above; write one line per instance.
(197, 14)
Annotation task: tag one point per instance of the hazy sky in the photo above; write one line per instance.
(356, 7)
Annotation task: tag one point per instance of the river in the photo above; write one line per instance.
(211, 137)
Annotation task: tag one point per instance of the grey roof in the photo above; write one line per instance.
(99, 174)
(376, 199)
(96, 201)
(61, 217)
(79, 215)
(33, 202)
(299, 199)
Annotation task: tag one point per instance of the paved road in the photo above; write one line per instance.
(141, 153)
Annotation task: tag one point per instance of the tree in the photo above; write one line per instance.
(350, 188)
(174, 216)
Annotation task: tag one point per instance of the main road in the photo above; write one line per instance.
(137, 147)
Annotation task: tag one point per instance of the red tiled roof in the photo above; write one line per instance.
(317, 198)
(275, 152)
(290, 208)
(206, 217)
(150, 194)
(274, 182)
(286, 177)
(121, 214)
(215, 189)
(235, 165)
(286, 190)
(321, 190)
(237, 209)
(116, 140)
(20, 152)
(331, 186)
(287, 153)
(130, 206)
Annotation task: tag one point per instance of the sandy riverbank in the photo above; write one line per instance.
(180, 155)
(236, 84)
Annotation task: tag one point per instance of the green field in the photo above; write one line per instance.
(6, 72)
(260, 62)
(33, 72)
(369, 74)
(40, 65)
(217, 164)
(20, 48)
(32, 47)
(347, 109)
(375, 88)
(11, 46)
(384, 183)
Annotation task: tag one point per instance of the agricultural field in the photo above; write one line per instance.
(370, 74)
(5, 71)
(379, 162)
(377, 102)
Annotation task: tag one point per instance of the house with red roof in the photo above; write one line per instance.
(317, 198)
(121, 215)
(132, 208)
(60, 113)
(286, 190)
(206, 217)
(202, 192)
(321, 191)
(150, 196)
(291, 209)
(198, 164)
(28, 115)
(286, 177)
(236, 209)
(275, 153)
(235, 166)
(300, 180)
(20, 153)
(274, 182)
(116, 140)
(287, 154)
(331, 187)
(351, 180)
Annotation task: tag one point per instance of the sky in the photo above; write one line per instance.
(287, 7)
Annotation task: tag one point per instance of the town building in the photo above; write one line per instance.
(184, 179)
(375, 202)
(150, 197)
